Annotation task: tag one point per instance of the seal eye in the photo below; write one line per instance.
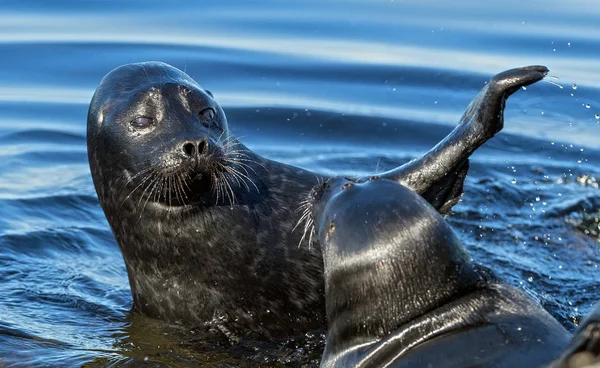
(207, 114)
(207, 117)
(142, 122)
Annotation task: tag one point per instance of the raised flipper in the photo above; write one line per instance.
(439, 175)
(584, 348)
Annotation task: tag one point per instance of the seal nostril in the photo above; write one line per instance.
(203, 147)
(189, 149)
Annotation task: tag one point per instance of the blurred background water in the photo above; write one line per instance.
(347, 86)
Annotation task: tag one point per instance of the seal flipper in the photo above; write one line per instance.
(439, 174)
(445, 193)
(584, 348)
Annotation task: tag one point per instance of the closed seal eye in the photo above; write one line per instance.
(142, 122)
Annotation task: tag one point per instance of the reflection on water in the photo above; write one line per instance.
(341, 86)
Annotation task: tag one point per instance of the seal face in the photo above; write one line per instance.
(167, 136)
(401, 291)
(206, 226)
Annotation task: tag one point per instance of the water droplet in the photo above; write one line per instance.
(530, 279)
(514, 181)
(597, 116)
(537, 199)
(524, 88)
(574, 86)
(569, 44)
(587, 106)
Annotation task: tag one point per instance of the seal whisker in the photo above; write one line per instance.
(304, 216)
(308, 229)
(243, 178)
(230, 193)
(152, 186)
(183, 178)
(239, 165)
(240, 162)
(222, 189)
(137, 175)
(169, 191)
(179, 190)
(227, 175)
(305, 208)
(232, 174)
(144, 180)
(219, 141)
(216, 185)
(186, 177)
(152, 177)
(230, 142)
(157, 191)
(245, 175)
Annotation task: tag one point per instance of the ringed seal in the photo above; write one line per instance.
(205, 225)
(401, 291)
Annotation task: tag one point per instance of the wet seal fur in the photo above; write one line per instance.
(206, 226)
(401, 291)
(584, 348)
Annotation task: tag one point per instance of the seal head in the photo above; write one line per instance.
(401, 290)
(158, 128)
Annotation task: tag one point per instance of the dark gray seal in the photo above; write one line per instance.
(401, 291)
(584, 349)
(206, 225)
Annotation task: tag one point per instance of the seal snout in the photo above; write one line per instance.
(195, 149)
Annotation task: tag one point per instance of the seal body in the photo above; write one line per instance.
(401, 291)
(206, 226)
(584, 349)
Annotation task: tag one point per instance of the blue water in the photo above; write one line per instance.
(347, 86)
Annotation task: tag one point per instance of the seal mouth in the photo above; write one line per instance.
(217, 178)
(190, 189)
(184, 187)
(172, 187)
(306, 210)
(211, 182)
(312, 206)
